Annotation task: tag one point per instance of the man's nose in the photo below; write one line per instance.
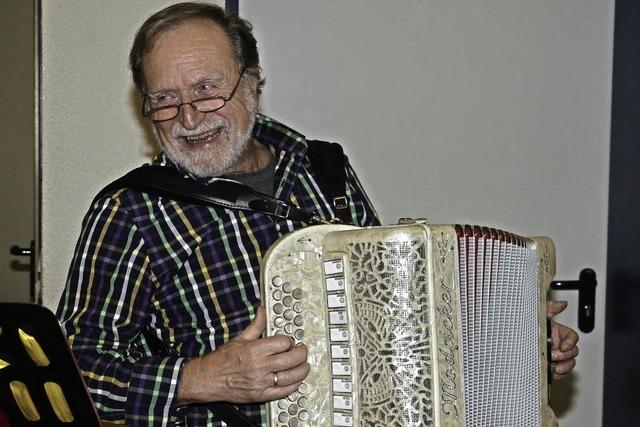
(190, 118)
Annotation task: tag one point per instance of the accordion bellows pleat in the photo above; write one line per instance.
(413, 325)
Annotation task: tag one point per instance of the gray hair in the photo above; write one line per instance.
(239, 31)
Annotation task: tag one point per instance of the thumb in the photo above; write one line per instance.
(555, 307)
(256, 328)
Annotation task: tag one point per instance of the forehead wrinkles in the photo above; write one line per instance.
(187, 53)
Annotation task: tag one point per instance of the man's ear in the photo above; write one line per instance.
(252, 83)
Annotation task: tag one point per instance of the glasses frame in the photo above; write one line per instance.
(224, 100)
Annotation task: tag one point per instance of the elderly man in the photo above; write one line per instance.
(149, 270)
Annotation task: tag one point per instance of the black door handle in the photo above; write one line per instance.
(31, 253)
(586, 287)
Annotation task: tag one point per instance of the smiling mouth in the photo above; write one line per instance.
(203, 138)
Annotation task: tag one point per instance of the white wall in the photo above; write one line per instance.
(493, 112)
(91, 129)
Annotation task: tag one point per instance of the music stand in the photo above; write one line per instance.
(40, 383)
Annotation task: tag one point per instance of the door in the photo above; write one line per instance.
(17, 136)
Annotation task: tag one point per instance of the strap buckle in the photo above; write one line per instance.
(340, 202)
(282, 210)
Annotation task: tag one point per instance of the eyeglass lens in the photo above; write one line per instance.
(205, 105)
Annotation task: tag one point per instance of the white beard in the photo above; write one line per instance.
(218, 158)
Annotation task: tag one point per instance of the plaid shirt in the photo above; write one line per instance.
(146, 267)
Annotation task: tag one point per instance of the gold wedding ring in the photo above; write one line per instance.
(275, 379)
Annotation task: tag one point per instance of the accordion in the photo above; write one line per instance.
(413, 325)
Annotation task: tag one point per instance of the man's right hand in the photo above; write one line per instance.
(242, 370)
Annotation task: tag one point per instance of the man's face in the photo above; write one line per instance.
(188, 62)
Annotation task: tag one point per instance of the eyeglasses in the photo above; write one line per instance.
(202, 105)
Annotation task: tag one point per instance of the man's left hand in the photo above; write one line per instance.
(564, 340)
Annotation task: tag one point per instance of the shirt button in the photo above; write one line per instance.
(277, 227)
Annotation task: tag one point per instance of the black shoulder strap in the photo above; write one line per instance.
(327, 160)
(169, 182)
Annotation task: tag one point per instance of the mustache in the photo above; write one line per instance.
(179, 131)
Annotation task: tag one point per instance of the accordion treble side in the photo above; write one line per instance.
(413, 325)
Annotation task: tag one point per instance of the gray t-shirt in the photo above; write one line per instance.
(262, 180)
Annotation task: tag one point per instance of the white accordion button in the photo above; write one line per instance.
(339, 334)
(342, 402)
(341, 385)
(340, 419)
(333, 266)
(334, 283)
(338, 317)
(339, 351)
(340, 368)
(336, 301)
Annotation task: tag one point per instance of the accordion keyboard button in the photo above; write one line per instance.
(288, 301)
(278, 322)
(289, 314)
(334, 283)
(336, 301)
(332, 267)
(303, 388)
(297, 293)
(293, 409)
(302, 402)
(283, 417)
(288, 328)
(303, 415)
(287, 287)
(337, 317)
(278, 308)
(277, 295)
(342, 402)
(283, 403)
(340, 368)
(294, 423)
(339, 351)
(298, 307)
(339, 334)
(341, 385)
(299, 334)
(298, 320)
(277, 281)
(340, 419)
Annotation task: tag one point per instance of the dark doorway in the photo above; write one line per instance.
(622, 339)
